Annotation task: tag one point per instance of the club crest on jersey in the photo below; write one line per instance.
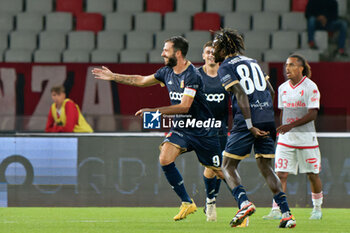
(182, 84)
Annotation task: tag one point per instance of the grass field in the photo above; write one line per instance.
(51, 220)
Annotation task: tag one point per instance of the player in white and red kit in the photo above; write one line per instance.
(297, 146)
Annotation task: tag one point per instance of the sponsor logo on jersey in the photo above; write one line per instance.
(294, 104)
(175, 95)
(170, 82)
(259, 105)
(215, 97)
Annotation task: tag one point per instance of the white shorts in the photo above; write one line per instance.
(289, 159)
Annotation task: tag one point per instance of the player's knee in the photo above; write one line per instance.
(283, 176)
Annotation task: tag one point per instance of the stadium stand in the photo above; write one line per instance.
(100, 6)
(11, 6)
(6, 22)
(52, 40)
(73, 6)
(299, 5)
(206, 21)
(174, 21)
(162, 7)
(47, 56)
(3, 41)
(154, 56)
(189, 6)
(89, 22)
(23, 40)
(219, 6)
(18, 55)
(197, 39)
(248, 5)
(279, 6)
(39, 6)
(139, 40)
(30, 22)
(293, 21)
(161, 36)
(148, 21)
(285, 40)
(118, 22)
(132, 6)
(265, 21)
(76, 55)
(276, 55)
(238, 20)
(104, 56)
(59, 21)
(81, 40)
(133, 56)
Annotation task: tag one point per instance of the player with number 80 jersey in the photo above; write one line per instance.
(247, 72)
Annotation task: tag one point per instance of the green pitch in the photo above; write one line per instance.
(101, 220)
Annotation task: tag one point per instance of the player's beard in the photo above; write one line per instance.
(172, 61)
(218, 56)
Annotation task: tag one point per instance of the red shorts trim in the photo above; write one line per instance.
(298, 147)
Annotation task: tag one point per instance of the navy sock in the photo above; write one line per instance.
(175, 180)
(240, 195)
(210, 184)
(281, 200)
(217, 187)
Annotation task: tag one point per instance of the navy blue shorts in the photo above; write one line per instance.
(240, 143)
(207, 148)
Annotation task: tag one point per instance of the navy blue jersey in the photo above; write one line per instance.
(247, 72)
(177, 84)
(217, 98)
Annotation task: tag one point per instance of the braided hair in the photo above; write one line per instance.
(229, 41)
(304, 63)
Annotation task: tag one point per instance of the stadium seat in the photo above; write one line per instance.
(73, 6)
(39, 6)
(194, 55)
(219, 6)
(276, 55)
(257, 40)
(133, 56)
(342, 7)
(1, 55)
(47, 56)
(104, 56)
(310, 54)
(154, 56)
(110, 40)
(11, 6)
(81, 40)
(285, 40)
(248, 5)
(76, 56)
(52, 40)
(238, 20)
(148, 21)
(189, 6)
(18, 55)
(118, 22)
(197, 39)
(6, 22)
(254, 54)
(279, 6)
(206, 21)
(3, 41)
(162, 7)
(30, 22)
(139, 40)
(266, 21)
(174, 21)
(100, 6)
(293, 21)
(161, 36)
(299, 5)
(321, 40)
(132, 6)
(59, 21)
(89, 22)
(23, 40)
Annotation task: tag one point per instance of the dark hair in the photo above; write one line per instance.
(208, 44)
(305, 65)
(179, 43)
(58, 89)
(230, 41)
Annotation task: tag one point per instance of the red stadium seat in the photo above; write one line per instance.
(299, 5)
(162, 6)
(73, 6)
(206, 21)
(89, 22)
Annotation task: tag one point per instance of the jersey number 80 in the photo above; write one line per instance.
(250, 84)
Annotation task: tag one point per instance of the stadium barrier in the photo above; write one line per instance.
(122, 169)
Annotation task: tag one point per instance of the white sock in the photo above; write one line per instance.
(244, 204)
(275, 206)
(317, 200)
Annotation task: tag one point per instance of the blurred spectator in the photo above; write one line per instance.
(323, 14)
(64, 115)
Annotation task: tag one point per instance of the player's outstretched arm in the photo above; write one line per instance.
(132, 80)
(243, 103)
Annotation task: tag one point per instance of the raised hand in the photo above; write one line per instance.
(104, 73)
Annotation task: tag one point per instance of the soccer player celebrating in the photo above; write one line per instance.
(297, 146)
(253, 124)
(217, 99)
(186, 94)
